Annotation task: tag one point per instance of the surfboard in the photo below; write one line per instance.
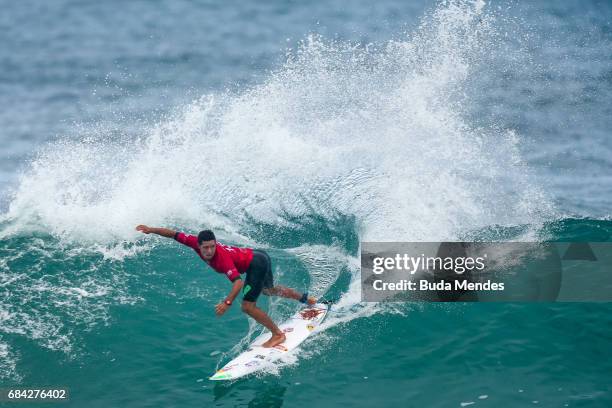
(256, 357)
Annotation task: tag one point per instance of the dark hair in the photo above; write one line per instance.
(206, 235)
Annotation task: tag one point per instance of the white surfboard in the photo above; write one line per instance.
(256, 357)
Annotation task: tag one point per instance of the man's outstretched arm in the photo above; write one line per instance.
(164, 232)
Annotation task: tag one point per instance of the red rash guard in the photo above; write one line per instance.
(228, 260)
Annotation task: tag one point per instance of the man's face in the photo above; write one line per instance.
(208, 249)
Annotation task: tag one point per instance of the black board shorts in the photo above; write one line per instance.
(258, 276)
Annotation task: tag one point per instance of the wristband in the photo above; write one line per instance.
(227, 302)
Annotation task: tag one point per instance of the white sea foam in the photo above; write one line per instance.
(375, 132)
(379, 133)
(8, 363)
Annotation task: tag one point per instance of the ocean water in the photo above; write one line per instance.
(303, 128)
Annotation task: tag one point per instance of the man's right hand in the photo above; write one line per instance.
(144, 229)
(164, 232)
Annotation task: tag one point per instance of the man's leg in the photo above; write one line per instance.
(257, 277)
(269, 289)
(285, 292)
(262, 318)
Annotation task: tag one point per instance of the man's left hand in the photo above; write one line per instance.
(221, 308)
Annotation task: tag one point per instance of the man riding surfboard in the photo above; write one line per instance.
(232, 262)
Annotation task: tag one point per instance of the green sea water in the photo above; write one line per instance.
(141, 332)
(302, 128)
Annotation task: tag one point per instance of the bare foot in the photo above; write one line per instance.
(312, 301)
(275, 340)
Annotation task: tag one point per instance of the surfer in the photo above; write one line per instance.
(233, 261)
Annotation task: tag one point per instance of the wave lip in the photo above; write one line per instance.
(378, 132)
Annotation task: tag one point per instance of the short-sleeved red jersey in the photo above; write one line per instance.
(228, 260)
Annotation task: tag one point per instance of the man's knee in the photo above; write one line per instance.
(247, 307)
(269, 291)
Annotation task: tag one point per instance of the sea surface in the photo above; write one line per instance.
(303, 128)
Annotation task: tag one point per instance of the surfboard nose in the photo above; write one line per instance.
(220, 376)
